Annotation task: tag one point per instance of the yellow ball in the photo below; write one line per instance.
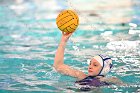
(67, 21)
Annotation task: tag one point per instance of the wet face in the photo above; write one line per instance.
(94, 68)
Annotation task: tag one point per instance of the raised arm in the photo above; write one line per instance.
(59, 59)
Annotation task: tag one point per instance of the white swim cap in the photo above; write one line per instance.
(106, 63)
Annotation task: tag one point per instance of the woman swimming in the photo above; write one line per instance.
(99, 66)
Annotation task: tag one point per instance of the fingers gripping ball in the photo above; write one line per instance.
(67, 21)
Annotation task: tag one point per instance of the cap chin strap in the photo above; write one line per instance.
(101, 75)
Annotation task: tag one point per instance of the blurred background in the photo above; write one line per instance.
(29, 38)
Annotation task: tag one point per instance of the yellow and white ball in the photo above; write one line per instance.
(67, 21)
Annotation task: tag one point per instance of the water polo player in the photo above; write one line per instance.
(67, 21)
(97, 70)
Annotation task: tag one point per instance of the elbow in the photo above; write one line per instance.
(56, 66)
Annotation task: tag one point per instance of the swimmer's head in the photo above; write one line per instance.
(99, 65)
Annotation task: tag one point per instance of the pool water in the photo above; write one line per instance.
(29, 38)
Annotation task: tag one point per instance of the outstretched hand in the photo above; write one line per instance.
(65, 36)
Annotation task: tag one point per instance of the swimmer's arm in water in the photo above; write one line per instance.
(59, 60)
(114, 80)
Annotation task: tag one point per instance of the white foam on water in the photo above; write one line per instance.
(106, 33)
(122, 45)
(132, 31)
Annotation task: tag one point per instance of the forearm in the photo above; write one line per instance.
(59, 56)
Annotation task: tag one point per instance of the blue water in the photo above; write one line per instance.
(29, 38)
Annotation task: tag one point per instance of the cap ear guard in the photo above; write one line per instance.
(107, 65)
